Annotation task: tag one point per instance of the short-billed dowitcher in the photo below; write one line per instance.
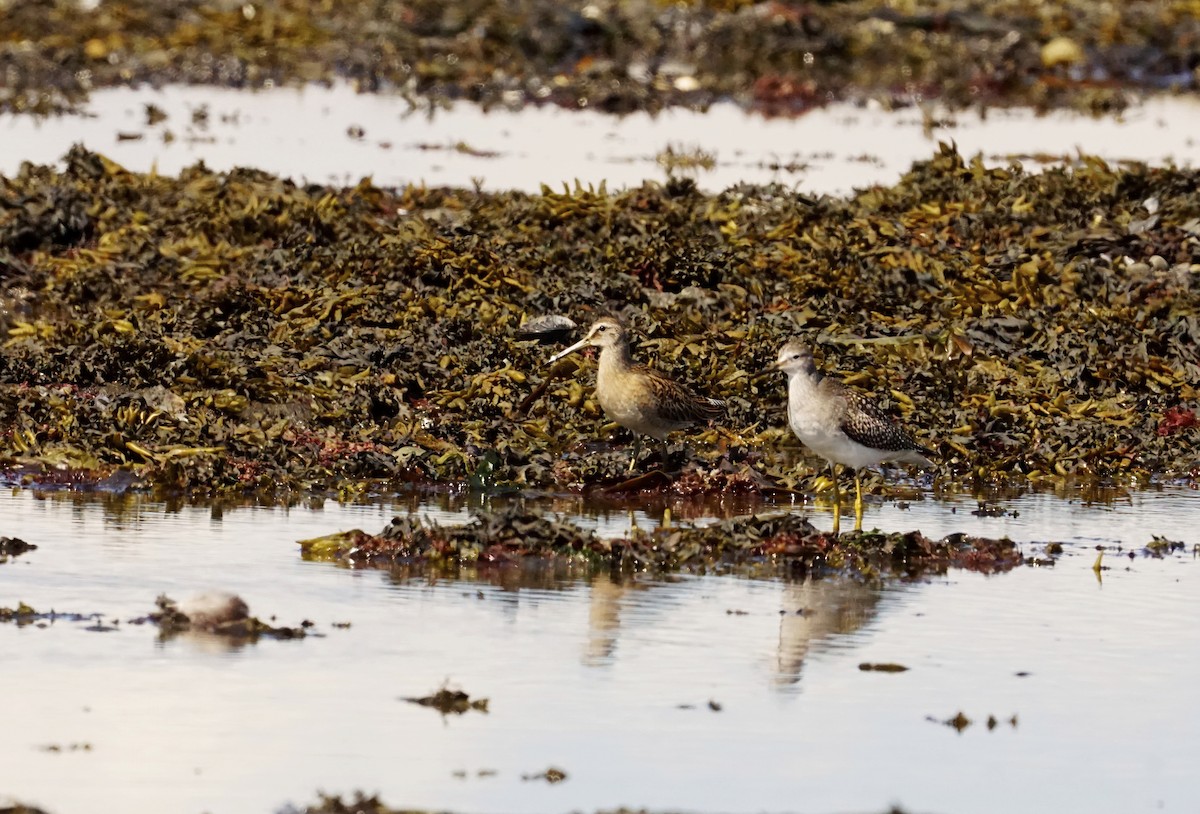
(635, 396)
(842, 426)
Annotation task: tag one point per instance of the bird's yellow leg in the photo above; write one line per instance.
(858, 502)
(637, 447)
(837, 499)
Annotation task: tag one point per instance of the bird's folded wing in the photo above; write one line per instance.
(677, 403)
(866, 424)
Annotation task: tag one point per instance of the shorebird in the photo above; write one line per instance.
(842, 426)
(635, 396)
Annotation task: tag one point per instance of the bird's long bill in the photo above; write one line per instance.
(582, 343)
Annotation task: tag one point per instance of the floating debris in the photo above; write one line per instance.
(451, 702)
(993, 510)
(56, 748)
(551, 776)
(14, 547)
(961, 722)
(882, 667)
(1161, 546)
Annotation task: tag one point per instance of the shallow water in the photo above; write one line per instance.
(591, 676)
(334, 135)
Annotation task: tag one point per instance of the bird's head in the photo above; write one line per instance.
(794, 357)
(605, 332)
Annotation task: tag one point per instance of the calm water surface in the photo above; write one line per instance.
(314, 134)
(609, 682)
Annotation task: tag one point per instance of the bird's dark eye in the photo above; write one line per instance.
(601, 328)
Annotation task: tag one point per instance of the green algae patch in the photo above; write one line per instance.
(882, 667)
(233, 334)
(787, 542)
(780, 58)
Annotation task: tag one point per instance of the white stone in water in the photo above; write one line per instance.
(214, 608)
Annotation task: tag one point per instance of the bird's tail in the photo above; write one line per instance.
(919, 456)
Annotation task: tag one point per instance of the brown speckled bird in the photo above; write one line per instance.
(840, 425)
(635, 396)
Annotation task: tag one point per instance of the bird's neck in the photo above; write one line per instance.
(803, 384)
(615, 361)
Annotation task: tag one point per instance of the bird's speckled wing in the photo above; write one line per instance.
(866, 424)
(677, 403)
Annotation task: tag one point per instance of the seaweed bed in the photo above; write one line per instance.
(778, 57)
(778, 541)
(229, 333)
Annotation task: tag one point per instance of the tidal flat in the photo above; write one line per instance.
(297, 517)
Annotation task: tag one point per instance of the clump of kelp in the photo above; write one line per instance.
(786, 540)
(222, 333)
(782, 58)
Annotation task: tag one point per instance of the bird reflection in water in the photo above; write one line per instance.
(815, 614)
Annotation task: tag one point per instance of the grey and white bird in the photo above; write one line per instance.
(842, 426)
